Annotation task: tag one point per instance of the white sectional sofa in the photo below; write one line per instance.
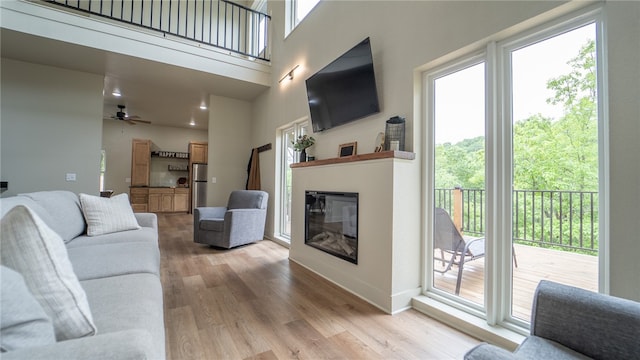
(119, 272)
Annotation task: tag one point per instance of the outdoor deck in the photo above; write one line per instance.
(534, 264)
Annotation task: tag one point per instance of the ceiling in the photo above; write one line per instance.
(164, 94)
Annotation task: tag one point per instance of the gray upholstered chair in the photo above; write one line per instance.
(572, 323)
(241, 222)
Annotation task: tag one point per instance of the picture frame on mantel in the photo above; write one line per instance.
(348, 149)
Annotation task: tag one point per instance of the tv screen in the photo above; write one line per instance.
(345, 90)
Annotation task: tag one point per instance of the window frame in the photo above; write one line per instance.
(498, 292)
(300, 126)
(291, 20)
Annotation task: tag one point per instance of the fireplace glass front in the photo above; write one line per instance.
(331, 223)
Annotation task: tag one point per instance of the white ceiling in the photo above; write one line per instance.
(163, 94)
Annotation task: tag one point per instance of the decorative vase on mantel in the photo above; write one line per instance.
(303, 155)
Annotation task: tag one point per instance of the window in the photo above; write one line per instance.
(296, 11)
(515, 178)
(288, 156)
(103, 168)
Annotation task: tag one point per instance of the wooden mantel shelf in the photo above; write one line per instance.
(347, 159)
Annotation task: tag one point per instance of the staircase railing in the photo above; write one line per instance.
(218, 23)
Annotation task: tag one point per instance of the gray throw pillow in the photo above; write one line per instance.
(23, 322)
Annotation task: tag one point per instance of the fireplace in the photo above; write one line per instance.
(331, 223)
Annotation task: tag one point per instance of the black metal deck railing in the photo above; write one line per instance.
(548, 218)
(218, 23)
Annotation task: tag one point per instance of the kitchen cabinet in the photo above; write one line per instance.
(198, 152)
(139, 199)
(161, 199)
(181, 200)
(168, 200)
(140, 162)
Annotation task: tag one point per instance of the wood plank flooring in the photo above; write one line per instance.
(253, 303)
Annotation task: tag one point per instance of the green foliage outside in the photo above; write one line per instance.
(557, 159)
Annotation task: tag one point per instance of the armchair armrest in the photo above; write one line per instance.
(209, 213)
(125, 345)
(596, 325)
(244, 225)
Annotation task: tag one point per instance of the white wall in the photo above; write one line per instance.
(407, 34)
(229, 147)
(116, 141)
(51, 126)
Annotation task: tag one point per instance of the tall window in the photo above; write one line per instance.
(288, 157)
(103, 168)
(296, 11)
(515, 178)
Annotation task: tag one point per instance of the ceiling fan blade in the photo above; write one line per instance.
(133, 117)
(140, 120)
(130, 122)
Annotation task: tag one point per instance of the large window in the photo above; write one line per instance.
(515, 180)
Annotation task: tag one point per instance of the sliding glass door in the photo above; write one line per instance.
(515, 166)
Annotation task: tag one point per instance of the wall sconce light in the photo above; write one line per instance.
(289, 75)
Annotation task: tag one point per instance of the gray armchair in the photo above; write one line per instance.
(241, 222)
(572, 323)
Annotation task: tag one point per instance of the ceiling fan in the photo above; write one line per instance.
(121, 115)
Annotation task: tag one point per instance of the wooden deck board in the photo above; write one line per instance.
(534, 264)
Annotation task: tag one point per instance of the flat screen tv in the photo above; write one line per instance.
(345, 90)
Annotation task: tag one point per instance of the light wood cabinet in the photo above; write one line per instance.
(161, 199)
(140, 162)
(139, 199)
(168, 200)
(198, 152)
(181, 200)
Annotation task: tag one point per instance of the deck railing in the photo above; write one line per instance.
(218, 23)
(566, 220)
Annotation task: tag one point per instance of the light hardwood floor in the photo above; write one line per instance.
(253, 303)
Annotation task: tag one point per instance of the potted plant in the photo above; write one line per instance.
(301, 144)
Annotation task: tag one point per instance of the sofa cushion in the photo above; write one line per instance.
(141, 235)
(63, 209)
(23, 322)
(129, 302)
(108, 215)
(31, 248)
(93, 262)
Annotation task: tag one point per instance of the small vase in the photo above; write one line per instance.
(303, 155)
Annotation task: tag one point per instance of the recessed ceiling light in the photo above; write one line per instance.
(116, 93)
(192, 123)
(203, 107)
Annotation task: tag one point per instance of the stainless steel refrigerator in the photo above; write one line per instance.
(199, 186)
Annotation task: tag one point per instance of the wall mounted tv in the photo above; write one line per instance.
(345, 90)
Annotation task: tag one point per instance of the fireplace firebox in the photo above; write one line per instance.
(331, 223)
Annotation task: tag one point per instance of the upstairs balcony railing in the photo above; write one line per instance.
(566, 220)
(218, 23)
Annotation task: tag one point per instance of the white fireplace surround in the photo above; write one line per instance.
(388, 271)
